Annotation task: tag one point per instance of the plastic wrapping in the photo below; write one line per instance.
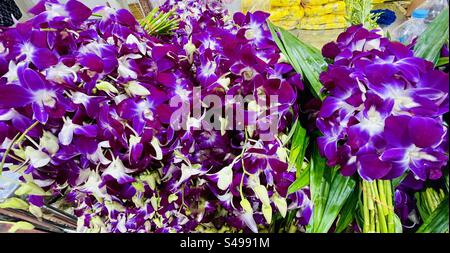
(232, 6)
(284, 3)
(329, 8)
(325, 19)
(301, 14)
(434, 7)
(286, 13)
(318, 2)
(283, 13)
(255, 5)
(306, 26)
(323, 22)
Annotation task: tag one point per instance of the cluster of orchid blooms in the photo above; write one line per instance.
(383, 117)
(384, 112)
(91, 93)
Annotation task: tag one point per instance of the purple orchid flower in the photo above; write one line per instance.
(41, 95)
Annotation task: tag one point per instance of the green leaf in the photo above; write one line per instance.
(267, 213)
(317, 169)
(347, 214)
(442, 61)
(245, 204)
(340, 190)
(437, 222)
(397, 181)
(430, 43)
(421, 206)
(398, 224)
(304, 58)
(30, 188)
(15, 203)
(329, 192)
(300, 182)
(21, 225)
(299, 144)
(446, 178)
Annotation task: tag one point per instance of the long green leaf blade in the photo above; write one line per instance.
(317, 170)
(304, 58)
(301, 182)
(348, 211)
(340, 190)
(442, 61)
(437, 222)
(430, 43)
(299, 144)
(329, 192)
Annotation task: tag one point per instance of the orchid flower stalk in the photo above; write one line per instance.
(378, 208)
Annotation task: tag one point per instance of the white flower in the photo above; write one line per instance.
(37, 158)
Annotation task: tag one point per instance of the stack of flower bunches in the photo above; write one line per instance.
(283, 13)
(323, 14)
(85, 113)
(286, 13)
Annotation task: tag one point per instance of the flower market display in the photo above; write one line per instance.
(193, 120)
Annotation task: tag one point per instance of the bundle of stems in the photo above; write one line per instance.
(160, 23)
(378, 207)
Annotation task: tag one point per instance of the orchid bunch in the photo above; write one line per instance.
(236, 57)
(382, 126)
(86, 113)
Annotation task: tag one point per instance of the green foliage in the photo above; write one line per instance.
(437, 222)
(430, 43)
(442, 62)
(329, 192)
(347, 214)
(358, 12)
(299, 145)
(305, 59)
(15, 203)
(428, 201)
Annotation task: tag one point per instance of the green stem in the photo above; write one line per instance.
(7, 152)
(14, 141)
(378, 210)
(371, 208)
(24, 134)
(389, 198)
(381, 217)
(366, 226)
(382, 193)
